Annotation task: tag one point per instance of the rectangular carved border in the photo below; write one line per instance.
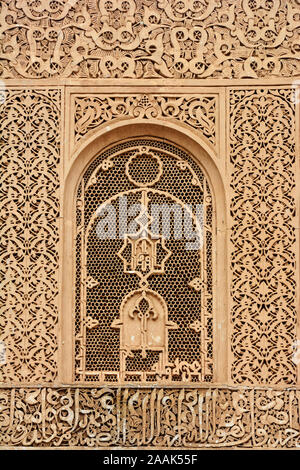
(131, 417)
(91, 110)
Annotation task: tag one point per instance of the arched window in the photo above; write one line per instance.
(143, 266)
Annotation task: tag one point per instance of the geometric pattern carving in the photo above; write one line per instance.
(30, 154)
(171, 401)
(263, 207)
(137, 319)
(144, 417)
(158, 39)
(199, 112)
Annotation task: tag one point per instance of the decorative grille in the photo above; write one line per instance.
(143, 301)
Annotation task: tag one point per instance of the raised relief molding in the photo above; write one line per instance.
(160, 39)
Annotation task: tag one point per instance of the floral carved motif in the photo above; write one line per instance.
(134, 38)
(263, 207)
(30, 153)
(144, 417)
(197, 112)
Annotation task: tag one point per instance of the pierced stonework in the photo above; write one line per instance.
(30, 162)
(262, 146)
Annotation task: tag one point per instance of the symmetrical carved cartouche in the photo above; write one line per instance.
(149, 39)
(143, 301)
(199, 112)
(29, 159)
(150, 417)
(263, 259)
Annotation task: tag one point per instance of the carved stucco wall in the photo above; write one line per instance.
(135, 38)
(30, 167)
(150, 418)
(263, 259)
(251, 129)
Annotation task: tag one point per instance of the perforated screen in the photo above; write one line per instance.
(144, 300)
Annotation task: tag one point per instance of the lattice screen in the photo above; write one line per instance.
(143, 304)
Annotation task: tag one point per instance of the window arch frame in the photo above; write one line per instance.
(208, 161)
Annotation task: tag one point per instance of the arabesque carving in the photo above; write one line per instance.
(199, 112)
(263, 259)
(30, 159)
(188, 418)
(149, 39)
(146, 320)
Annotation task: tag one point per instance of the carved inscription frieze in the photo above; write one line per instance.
(145, 417)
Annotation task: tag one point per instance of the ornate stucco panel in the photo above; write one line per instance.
(30, 162)
(176, 418)
(159, 39)
(127, 344)
(263, 235)
(198, 112)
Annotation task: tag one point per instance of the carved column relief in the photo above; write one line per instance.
(30, 154)
(150, 417)
(262, 156)
(157, 39)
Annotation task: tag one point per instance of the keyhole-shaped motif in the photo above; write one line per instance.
(145, 312)
(143, 324)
